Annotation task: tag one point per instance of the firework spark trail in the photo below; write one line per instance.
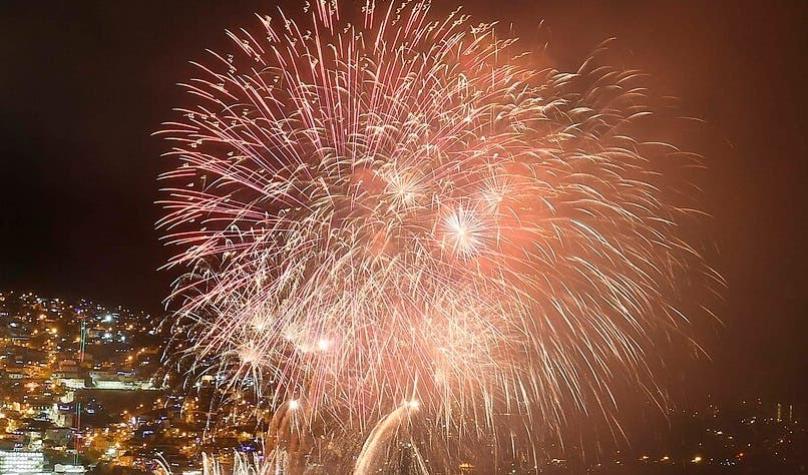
(408, 207)
(379, 437)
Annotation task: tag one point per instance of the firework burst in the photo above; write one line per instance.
(412, 209)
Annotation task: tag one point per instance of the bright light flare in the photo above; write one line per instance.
(323, 344)
(464, 233)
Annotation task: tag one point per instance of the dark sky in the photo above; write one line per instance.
(84, 83)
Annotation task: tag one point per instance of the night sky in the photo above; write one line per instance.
(84, 84)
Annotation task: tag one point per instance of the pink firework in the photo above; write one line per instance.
(411, 208)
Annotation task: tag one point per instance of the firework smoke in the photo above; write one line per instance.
(412, 208)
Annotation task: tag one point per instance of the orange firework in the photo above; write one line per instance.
(410, 209)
